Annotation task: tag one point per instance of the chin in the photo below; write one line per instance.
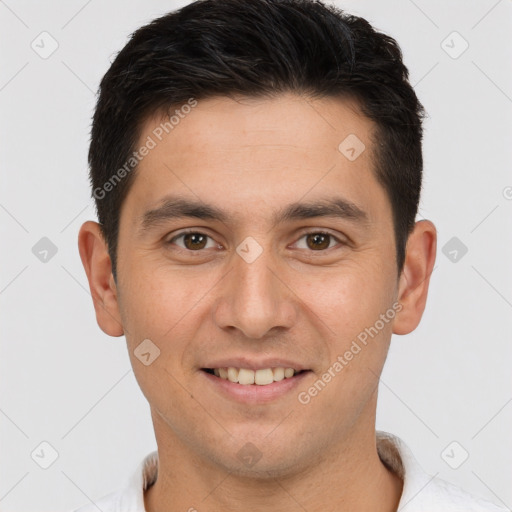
(262, 460)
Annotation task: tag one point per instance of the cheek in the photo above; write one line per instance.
(357, 340)
(350, 298)
(167, 306)
(157, 308)
(152, 300)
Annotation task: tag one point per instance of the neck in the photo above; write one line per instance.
(349, 476)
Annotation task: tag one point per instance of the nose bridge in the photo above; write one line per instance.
(253, 299)
(255, 283)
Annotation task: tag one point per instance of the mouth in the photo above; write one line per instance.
(248, 377)
(249, 386)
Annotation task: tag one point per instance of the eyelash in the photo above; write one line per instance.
(304, 234)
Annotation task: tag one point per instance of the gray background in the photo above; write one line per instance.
(66, 383)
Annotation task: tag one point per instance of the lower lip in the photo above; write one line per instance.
(254, 393)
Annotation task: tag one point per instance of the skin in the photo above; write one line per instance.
(252, 157)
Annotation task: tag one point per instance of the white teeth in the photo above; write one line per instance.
(245, 376)
(233, 374)
(260, 377)
(278, 374)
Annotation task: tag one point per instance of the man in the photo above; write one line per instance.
(257, 169)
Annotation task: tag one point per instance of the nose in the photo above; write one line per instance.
(255, 299)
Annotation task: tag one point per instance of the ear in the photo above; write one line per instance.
(98, 267)
(415, 277)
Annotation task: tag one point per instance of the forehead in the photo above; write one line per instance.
(253, 153)
(285, 121)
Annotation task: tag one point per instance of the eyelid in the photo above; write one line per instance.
(320, 231)
(169, 241)
(309, 231)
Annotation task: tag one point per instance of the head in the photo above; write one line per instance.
(286, 138)
(207, 49)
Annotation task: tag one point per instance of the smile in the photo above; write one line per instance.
(247, 377)
(254, 386)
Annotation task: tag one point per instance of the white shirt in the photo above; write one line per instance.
(421, 492)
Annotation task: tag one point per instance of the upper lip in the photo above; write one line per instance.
(253, 364)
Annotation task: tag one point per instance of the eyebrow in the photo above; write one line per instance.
(178, 208)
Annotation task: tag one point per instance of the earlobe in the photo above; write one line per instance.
(98, 267)
(414, 280)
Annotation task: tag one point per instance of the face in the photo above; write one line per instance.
(254, 238)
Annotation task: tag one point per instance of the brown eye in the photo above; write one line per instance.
(193, 241)
(318, 241)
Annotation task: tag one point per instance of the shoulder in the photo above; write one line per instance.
(129, 498)
(451, 497)
(421, 491)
